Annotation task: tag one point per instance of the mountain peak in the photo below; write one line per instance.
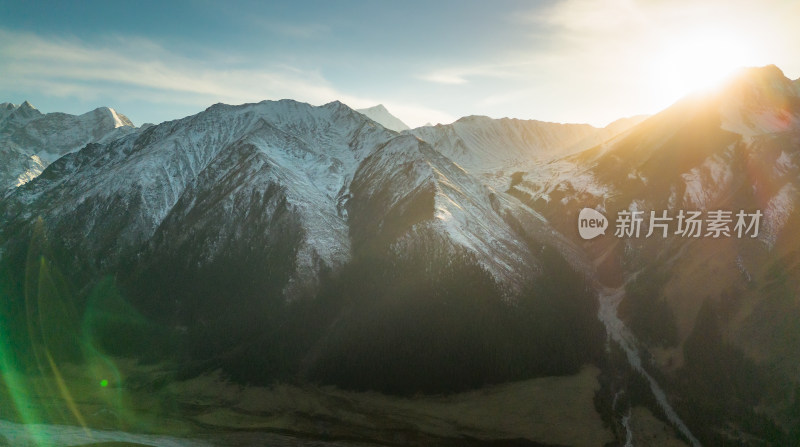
(120, 119)
(767, 78)
(768, 71)
(760, 100)
(473, 118)
(108, 114)
(336, 105)
(378, 108)
(380, 115)
(24, 112)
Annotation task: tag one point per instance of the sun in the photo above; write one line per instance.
(698, 60)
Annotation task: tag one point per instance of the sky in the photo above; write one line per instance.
(427, 62)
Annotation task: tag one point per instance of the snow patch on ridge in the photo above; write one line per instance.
(777, 213)
(562, 175)
(705, 183)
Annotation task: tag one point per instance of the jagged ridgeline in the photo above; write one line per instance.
(281, 241)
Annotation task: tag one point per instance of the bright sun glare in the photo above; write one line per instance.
(698, 60)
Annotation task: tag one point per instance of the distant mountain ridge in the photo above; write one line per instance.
(496, 148)
(31, 140)
(380, 115)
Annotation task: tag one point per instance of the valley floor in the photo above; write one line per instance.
(208, 410)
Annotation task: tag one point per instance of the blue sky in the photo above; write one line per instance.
(560, 60)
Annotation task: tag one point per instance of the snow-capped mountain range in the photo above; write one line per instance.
(276, 200)
(496, 148)
(311, 155)
(30, 140)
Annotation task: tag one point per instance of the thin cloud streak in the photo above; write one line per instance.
(463, 74)
(142, 68)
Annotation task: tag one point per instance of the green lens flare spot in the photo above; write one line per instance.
(104, 383)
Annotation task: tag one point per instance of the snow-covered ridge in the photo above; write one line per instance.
(777, 212)
(309, 152)
(207, 173)
(496, 148)
(463, 217)
(708, 182)
(31, 140)
(480, 144)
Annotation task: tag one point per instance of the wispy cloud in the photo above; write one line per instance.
(73, 67)
(445, 77)
(463, 74)
(141, 68)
